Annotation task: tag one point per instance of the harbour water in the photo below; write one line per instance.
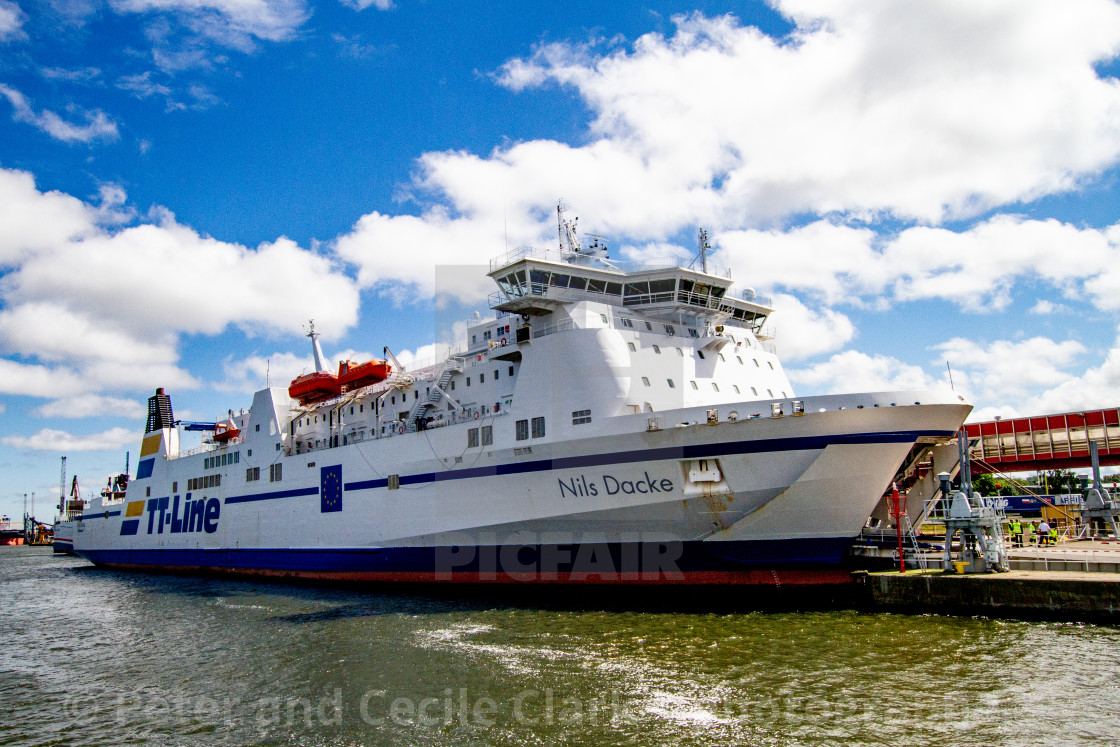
(89, 656)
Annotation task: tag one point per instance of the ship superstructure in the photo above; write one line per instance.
(610, 423)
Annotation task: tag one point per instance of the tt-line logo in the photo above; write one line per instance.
(174, 516)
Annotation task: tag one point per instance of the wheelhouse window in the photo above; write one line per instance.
(538, 427)
(522, 428)
(472, 438)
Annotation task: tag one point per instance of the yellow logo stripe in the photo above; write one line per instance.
(135, 508)
(150, 444)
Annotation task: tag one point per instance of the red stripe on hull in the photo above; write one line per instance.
(777, 578)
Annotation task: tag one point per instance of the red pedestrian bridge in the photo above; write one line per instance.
(1045, 442)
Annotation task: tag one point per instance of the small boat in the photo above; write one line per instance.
(314, 387)
(226, 431)
(353, 375)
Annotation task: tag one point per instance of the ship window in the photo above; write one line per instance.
(249, 452)
(579, 283)
(472, 438)
(511, 370)
(481, 378)
(632, 348)
(252, 474)
(495, 374)
(393, 400)
(722, 358)
(487, 435)
(614, 289)
(175, 487)
(416, 394)
(669, 330)
(560, 281)
(700, 353)
(754, 391)
(645, 380)
(579, 417)
(771, 364)
(522, 430)
(740, 359)
(770, 392)
(671, 384)
(694, 386)
(736, 388)
(453, 385)
(538, 427)
(784, 394)
(274, 472)
(649, 327)
(351, 409)
(148, 494)
(715, 386)
(257, 428)
(756, 363)
(604, 318)
(692, 332)
(627, 323)
(468, 381)
(597, 286)
(486, 335)
(657, 349)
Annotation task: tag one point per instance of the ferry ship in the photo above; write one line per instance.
(610, 424)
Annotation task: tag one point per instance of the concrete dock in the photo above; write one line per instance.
(1065, 595)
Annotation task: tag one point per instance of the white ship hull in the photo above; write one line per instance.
(619, 507)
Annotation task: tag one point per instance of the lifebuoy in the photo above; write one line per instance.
(476, 414)
(400, 429)
(504, 342)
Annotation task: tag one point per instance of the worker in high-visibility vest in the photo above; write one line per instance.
(1054, 533)
(1016, 532)
(1028, 533)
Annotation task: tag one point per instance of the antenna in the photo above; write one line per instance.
(702, 241)
(62, 489)
(950, 376)
(267, 372)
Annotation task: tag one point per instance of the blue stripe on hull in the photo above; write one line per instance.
(510, 562)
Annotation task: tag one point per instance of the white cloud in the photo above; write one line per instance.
(363, 4)
(97, 124)
(419, 252)
(92, 405)
(61, 441)
(924, 112)
(1004, 370)
(802, 332)
(11, 21)
(112, 319)
(231, 23)
(853, 371)
(1097, 387)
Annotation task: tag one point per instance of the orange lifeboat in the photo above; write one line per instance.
(353, 375)
(314, 387)
(226, 431)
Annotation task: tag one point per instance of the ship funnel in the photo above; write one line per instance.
(160, 415)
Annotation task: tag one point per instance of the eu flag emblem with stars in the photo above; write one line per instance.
(330, 489)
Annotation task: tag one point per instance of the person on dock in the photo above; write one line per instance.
(1028, 533)
(1043, 533)
(1054, 533)
(1016, 532)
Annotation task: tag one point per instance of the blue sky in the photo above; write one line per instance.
(183, 183)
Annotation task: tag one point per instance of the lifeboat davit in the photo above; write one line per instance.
(226, 431)
(314, 387)
(353, 375)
